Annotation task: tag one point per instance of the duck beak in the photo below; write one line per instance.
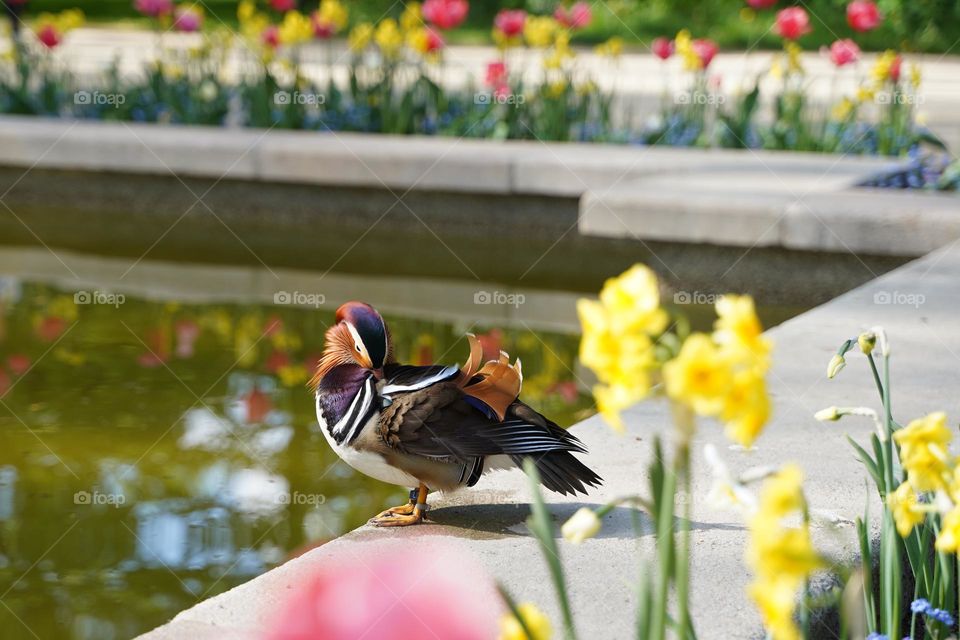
(378, 373)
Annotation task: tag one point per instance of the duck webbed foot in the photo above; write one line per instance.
(404, 515)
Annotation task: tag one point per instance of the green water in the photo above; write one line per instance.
(155, 453)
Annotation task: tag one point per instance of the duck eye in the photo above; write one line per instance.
(358, 348)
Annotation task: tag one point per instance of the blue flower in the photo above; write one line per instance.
(876, 636)
(920, 605)
(942, 616)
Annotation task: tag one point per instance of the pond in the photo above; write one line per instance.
(158, 445)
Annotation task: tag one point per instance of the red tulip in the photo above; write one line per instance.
(510, 22)
(863, 15)
(761, 4)
(271, 36)
(705, 50)
(403, 595)
(792, 23)
(49, 36)
(434, 40)
(496, 74)
(283, 5)
(662, 48)
(578, 16)
(19, 363)
(276, 360)
(445, 14)
(188, 20)
(321, 28)
(154, 8)
(844, 52)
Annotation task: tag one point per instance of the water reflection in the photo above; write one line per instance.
(156, 452)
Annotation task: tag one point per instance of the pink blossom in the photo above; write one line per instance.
(283, 5)
(792, 23)
(187, 332)
(863, 15)
(761, 4)
(49, 36)
(380, 597)
(662, 48)
(705, 50)
(188, 19)
(577, 17)
(895, 68)
(843, 52)
(154, 8)
(445, 14)
(510, 22)
(434, 40)
(271, 36)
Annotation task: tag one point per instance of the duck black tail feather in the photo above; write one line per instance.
(560, 471)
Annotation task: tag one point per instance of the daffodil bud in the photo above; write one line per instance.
(830, 414)
(582, 525)
(867, 341)
(837, 362)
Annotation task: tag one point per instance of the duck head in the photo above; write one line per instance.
(359, 337)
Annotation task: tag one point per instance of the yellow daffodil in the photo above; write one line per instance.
(700, 376)
(923, 451)
(360, 37)
(388, 38)
(746, 408)
(903, 505)
(539, 31)
(865, 94)
(612, 48)
(582, 525)
(613, 399)
(622, 359)
(295, 29)
(738, 328)
(867, 341)
(836, 364)
(535, 620)
(633, 300)
(776, 600)
(782, 493)
(949, 538)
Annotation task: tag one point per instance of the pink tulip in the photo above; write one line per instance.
(283, 5)
(445, 14)
(187, 332)
(188, 19)
(496, 74)
(154, 8)
(434, 41)
(761, 4)
(705, 50)
(662, 48)
(49, 36)
(403, 595)
(19, 364)
(863, 15)
(321, 28)
(510, 22)
(895, 69)
(577, 17)
(792, 23)
(843, 52)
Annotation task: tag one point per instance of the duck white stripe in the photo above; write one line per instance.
(420, 384)
(351, 418)
(360, 420)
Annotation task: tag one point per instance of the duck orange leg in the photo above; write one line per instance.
(402, 516)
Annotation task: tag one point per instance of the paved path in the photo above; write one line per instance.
(639, 77)
(487, 523)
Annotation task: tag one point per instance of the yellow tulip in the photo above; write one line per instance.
(360, 37)
(388, 38)
(412, 17)
(333, 13)
(612, 48)
(296, 28)
(539, 31)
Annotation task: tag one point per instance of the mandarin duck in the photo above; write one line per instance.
(432, 427)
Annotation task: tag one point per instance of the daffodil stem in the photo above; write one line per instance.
(683, 558)
(665, 553)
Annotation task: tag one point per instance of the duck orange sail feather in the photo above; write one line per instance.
(495, 383)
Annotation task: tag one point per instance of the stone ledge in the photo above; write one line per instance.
(718, 197)
(487, 522)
